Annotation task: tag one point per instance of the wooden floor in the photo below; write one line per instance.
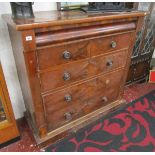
(27, 143)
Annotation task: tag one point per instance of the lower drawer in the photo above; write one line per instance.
(73, 102)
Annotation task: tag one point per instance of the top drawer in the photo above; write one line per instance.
(57, 55)
(108, 44)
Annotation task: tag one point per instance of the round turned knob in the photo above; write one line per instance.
(68, 115)
(66, 76)
(109, 63)
(104, 99)
(113, 44)
(68, 98)
(66, 55)
(107, 81)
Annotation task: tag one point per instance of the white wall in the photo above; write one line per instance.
(7, 58)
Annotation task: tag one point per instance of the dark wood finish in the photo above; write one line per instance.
(96, 66)
(8, 127)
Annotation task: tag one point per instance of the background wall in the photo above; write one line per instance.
(7, 58)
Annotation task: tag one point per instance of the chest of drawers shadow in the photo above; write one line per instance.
(72, 67)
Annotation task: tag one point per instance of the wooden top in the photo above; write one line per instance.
(58, 18)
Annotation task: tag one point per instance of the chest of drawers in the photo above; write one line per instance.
(72, 67)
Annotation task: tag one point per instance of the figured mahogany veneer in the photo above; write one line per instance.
(54, 77)
(75, 51)
(44, 38)
(85, 98)
(72, 67)
(105, 44)
(81, 50)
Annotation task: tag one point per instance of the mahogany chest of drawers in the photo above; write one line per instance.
(72, 66)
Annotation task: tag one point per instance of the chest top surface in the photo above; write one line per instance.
(59, 18)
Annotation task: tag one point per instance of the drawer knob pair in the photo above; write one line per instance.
(68, 98)
(66, 55)
(68, 115)
(113, 44)
(66, 76)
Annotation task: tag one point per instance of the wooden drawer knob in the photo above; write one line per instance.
(109, 63)
(104, 99)
(66, 76)
(66, 55)
(68, 98)
(113, 44)
(68, 115)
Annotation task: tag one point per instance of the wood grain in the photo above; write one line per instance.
(104, 44)
(60, 18)
(100, 47)
(54, 77)
(49, 57)
(86, 97)
(45, 38)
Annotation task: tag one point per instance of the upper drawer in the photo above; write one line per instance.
(107, 44)
(56, 55)
(77, 71)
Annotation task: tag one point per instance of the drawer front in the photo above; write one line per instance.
(71, 73)
(57, 55)
(68, 104)
(109, 44)
(64, 75)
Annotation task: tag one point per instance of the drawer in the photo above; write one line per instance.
(108, 44)
(74, 72)
(76, 101)
(57, 55)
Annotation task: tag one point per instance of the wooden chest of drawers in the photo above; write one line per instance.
(72, 67)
